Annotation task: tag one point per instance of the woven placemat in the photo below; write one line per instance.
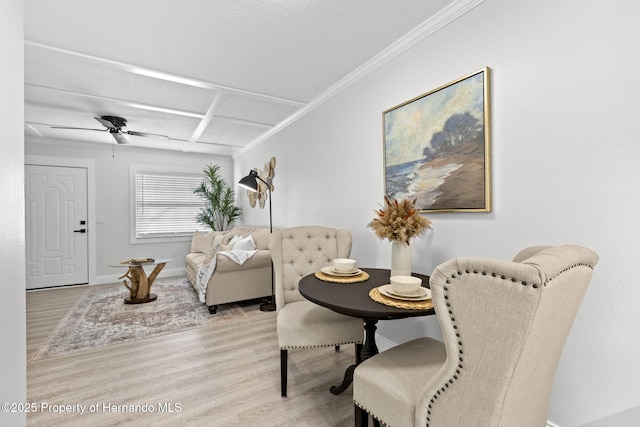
(336, 279)
(410, 305)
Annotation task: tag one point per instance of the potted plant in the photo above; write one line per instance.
(219, 210)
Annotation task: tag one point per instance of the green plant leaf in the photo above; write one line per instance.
(219, 211)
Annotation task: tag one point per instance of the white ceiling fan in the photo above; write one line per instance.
(114, 125)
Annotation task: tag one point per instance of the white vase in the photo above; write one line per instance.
(400, 259)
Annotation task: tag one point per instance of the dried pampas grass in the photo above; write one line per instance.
(399, 221)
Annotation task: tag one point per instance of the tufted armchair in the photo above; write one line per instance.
(504, 326)
(297, 252)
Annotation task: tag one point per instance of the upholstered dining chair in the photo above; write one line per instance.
(504, 325)
(296, 252)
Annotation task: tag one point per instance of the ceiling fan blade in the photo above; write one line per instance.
(105, 123)
(145, 134)
(120, 138)
(68, 127)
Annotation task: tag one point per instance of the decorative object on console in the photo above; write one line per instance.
(266, 175)
(399, 222)
(250, 182)
(219, 211)
(437, 150)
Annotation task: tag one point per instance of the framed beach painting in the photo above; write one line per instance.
(437, 147)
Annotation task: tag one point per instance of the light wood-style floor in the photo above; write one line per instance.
(226, 374)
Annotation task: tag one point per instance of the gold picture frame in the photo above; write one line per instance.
(437, 147)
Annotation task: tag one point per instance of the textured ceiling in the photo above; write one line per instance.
(212, 75)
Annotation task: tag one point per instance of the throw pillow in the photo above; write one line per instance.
(202, 241)
(212, 253)
(232, 241)
(219, 238)
(245, 244)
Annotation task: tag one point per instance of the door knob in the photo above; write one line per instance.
(82, 230)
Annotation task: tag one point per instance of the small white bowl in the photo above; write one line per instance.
(405, 285)
(344, 264)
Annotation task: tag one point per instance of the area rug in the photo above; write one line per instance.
(101, 318)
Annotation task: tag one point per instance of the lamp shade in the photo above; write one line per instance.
(250, 182)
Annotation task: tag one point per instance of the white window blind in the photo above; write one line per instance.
(165, 204)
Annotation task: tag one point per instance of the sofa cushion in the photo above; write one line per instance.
(261, 238)
(195, 259)
(203, 241)
(260, 235)
(258, 260)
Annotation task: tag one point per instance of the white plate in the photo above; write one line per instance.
(424, 294)
(417, 294)
(333, 272)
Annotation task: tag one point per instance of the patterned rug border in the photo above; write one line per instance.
(67, 336)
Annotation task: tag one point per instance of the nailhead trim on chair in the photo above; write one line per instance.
(567, 269)
(455, 327)
(318, 346)
(368, 412)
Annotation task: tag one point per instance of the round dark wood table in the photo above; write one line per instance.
(353, 299)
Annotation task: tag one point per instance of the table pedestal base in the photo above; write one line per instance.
(129, 300)
(369, 349)
(140, 288)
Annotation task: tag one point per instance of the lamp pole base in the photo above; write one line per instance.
(268, 306)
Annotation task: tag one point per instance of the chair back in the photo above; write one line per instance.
(504, 326)
(299, 251)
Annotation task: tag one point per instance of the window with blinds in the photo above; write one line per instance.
(165, 205)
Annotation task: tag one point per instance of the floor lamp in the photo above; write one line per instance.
(250, 182)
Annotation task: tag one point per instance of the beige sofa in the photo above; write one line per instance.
(230, 281)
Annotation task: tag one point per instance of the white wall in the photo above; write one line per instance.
(565, 101)
(109, 241)
(13, 380)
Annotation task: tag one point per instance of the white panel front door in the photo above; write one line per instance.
(56, 226)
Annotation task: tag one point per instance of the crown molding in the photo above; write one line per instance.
(415, 36)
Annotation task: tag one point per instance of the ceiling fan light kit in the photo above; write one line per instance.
(120, 138)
